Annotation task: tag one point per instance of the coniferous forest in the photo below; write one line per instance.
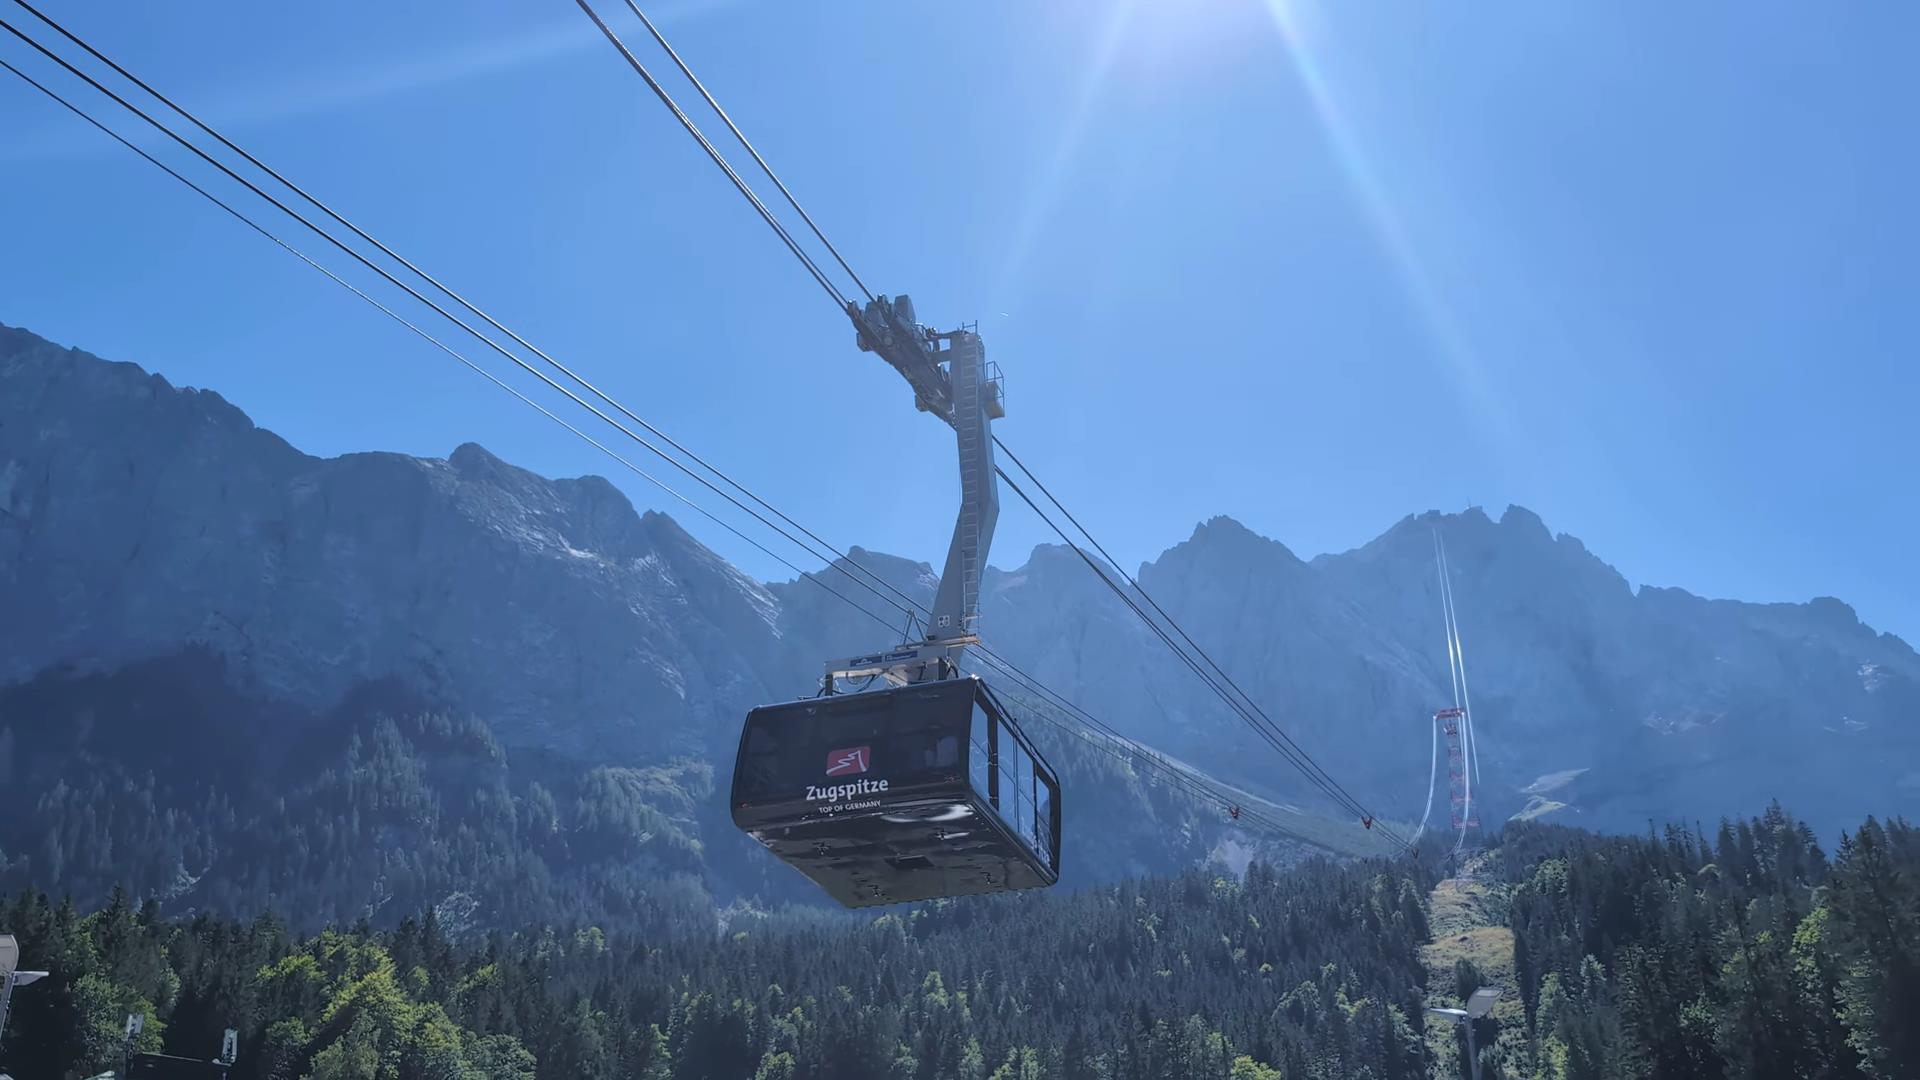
(1751, 952)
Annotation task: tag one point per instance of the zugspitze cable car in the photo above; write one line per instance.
(924, 788)
(901, 794)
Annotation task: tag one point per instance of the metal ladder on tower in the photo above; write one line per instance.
(968, 388)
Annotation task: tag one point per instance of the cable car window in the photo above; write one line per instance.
(1026, 803)
(943, 753)
(1043, 819)
(789, 748)
(1003, 778)
(978, 760)
(786, 749)
(1015, 776)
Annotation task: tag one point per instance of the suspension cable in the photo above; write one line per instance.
(742, 136)
(1192, 785)
(1264, 725)
(1206, 788)
(1103, 737)
(445, 290)
(1288, 748)
(833, 564)
(1306, 761)
(840, 301)
(1285, 746)
(1322, 781)
(434, 341)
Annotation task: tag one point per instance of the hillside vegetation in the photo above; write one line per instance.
(163, 779)
(1751, 954)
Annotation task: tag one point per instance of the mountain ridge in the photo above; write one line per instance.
(138, 519)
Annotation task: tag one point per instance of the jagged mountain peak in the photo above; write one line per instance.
(1224, 536)
(1835, 613)
(1516, 556)
(1049, 558)
(894, 568)
(473, 460)
(1519, 519)
(1472, 526)
(589, 493)
(34, 366)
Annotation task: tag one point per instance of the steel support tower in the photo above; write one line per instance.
(1465, 815)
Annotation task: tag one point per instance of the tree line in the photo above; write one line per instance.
(1747, 954)
(1310, 973)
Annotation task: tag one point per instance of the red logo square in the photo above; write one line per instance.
(852, 759)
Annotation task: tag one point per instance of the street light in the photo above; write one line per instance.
(1479, 1004)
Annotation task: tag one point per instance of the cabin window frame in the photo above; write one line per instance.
(1010, 788)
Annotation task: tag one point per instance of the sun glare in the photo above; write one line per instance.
(1304, 46)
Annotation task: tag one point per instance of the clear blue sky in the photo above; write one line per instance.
(1648, 270)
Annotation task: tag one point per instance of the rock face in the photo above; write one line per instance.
(1659, 704)
(137, 518)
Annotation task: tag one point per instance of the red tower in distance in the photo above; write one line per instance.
(1465, 815)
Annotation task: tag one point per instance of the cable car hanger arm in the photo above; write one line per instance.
(951, 379)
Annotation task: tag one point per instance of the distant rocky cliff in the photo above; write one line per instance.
(137, 518)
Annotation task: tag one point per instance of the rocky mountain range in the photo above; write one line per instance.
(140, 521)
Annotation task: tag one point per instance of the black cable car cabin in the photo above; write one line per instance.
(902, 794)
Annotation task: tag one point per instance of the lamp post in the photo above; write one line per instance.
(11, 976)
(1479, 1004)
